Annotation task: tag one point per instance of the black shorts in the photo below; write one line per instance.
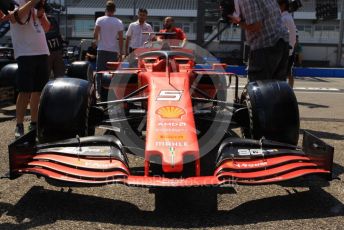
(33, 73)
(291, 61)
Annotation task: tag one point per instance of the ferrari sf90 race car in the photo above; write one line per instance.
(184, 119)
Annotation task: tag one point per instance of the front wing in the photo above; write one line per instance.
(100, 165)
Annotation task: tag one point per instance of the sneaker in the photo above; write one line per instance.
(32, 126)
(19, 131)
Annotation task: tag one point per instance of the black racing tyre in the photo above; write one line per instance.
(102, 84)
(8, 75)
(5, 62)
(64, 110)
(81, 69)
(273, 112)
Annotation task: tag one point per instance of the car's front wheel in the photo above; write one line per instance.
(273, 112)
(64, 110)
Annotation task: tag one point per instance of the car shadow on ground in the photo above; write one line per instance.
(312, 105)
(312, 79)
(338, 171)
(8, 112)
(39, 207)
(325, 135)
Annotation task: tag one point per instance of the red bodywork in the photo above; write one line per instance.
(162, 109)
(171, 136)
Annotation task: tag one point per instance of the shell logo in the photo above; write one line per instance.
(170, 112)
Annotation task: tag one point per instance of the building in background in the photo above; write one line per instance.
(319, 39)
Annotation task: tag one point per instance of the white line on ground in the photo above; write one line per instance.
(337, 93)
(316, 89)
(306, 88)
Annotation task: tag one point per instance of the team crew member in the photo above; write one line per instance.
(108, 32)
(170, 27)
(91, 54)
(55, 44)
(28, 27)
(135, 38)
(267, 37)
(288, 21)
(298, 52)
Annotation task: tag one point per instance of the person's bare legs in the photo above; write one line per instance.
(34, 102)
(21, 106)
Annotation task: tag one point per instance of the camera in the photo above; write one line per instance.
(227, 8)
(294, 5)
(7, 5)
(41, 5)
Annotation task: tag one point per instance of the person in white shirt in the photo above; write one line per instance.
(28, 27)
(288, 21)
(108, 33)
(135, 36)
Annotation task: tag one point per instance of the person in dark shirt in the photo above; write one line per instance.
(55, 44)
(298, 52)
(91, 54)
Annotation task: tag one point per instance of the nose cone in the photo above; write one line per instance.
(171, 132)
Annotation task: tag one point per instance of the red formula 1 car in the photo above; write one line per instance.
(180, 117)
